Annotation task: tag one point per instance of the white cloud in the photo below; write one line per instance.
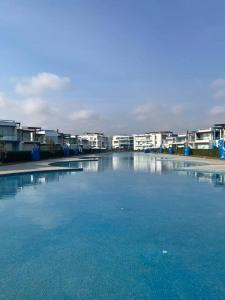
(33, 109)
(83, 114)
(220, 82)
(160, 116)
(3, 100)
(219, 94)
(34, 106)
(41, 83)
(30, 111)
(217, 111)
(177, 109)
(144, 111)
(219, 88)
(36, 111)
(153, 110)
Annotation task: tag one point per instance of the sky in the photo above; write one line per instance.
(114, 66)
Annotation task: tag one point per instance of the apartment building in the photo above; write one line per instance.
(207, 138)
(84, 144)
(97, 141)
(8, 135)
(122, 142)
(169, 141)
(71, 141)
(27, 137)
(204, 138)
(185, 139)
(151, 140)
(50, 139)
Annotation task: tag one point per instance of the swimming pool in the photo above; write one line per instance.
(127, 227)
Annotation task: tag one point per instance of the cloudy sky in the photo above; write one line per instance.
(118, 66)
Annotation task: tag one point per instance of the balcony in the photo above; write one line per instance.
(203, 141)
(8, 138)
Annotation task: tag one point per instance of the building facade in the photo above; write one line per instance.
(122, 142)
(8, 135)
(185, 139)
(97, 141)
(169, 141)
(204, 138)
(27, 137)
(50, 140)
(209, 138)
(151, 140)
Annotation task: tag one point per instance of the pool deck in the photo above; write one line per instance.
(212, 165)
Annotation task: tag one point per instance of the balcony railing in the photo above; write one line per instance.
(203, 138)
(8, 138)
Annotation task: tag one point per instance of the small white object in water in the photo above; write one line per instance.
(164, 251)
(122, 208)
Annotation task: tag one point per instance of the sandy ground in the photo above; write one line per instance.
(212, 165)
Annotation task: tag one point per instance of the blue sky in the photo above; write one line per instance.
(113, 65)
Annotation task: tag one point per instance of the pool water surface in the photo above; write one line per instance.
(130, 226)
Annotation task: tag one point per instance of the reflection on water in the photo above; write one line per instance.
(11, 185)
(132, 161)
(116, 162)
(212, 178)
(113, 232)
(139, 162)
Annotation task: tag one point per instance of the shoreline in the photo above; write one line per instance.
(209, 164)
(41, 166)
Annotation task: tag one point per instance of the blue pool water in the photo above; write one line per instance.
(127, 227)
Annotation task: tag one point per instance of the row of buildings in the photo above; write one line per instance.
(15, 137)
(206, 138)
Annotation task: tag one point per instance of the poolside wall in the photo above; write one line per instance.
(23, 156)
(213, 153)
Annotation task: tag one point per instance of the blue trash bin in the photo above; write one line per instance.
(170, 150)
(221, 149)
(35, 154)
(187, 151)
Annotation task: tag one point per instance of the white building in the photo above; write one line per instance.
(97, 141)
(209, 137)
(180, 141)
(84, 144)
(122, 142)
(76, 142)
(27, 138)
(151, 140)
(169, 141)
(49, 139)
(71, 141)
(185, 139)
(204, 138)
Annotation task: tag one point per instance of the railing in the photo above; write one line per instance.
(205, 140)
(11, 138)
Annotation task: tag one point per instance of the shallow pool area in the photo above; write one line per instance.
(130, 226)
